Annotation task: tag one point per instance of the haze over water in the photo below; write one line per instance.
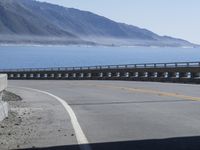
(70, 56)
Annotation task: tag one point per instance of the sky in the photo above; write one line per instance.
(177, 18)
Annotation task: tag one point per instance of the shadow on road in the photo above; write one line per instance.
(183, 143)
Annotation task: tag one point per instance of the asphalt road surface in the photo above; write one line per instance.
(118, 115)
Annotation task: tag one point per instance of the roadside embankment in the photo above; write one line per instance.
(3, 105)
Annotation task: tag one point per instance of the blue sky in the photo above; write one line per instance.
(178, 18)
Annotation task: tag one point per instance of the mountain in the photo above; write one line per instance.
(30, 21)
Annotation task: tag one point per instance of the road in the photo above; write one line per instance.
(123, 115)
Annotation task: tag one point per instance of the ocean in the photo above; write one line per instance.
(12, 57)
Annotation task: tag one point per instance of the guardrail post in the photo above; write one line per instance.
(189, 75)
(89, 75)
(38, 75)
(177, 75)
(45, 75)
(101, 75)
(81, 75)
(66, 75)
(136, 74)
(118, 74)
(74, 75)
(127, 74)
(24, 75)
(146, 74)
(109, 74)
(155, 74)
(59, 75)
(165, 74)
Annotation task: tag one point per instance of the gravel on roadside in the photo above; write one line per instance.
(9, 96)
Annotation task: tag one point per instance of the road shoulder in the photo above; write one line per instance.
(35, 121)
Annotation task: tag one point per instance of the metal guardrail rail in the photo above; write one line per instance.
(123, 66)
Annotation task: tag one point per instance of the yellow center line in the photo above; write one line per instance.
(150, 91)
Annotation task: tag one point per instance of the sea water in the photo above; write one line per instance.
(71, 56)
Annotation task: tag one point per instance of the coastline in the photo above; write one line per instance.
(90, 45)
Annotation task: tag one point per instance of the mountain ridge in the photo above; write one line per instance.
(33, 19)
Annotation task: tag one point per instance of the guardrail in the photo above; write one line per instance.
(122, 66)
(163, 72)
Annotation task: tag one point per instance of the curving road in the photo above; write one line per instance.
(124, 115)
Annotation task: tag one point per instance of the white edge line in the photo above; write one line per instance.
(80, 136)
